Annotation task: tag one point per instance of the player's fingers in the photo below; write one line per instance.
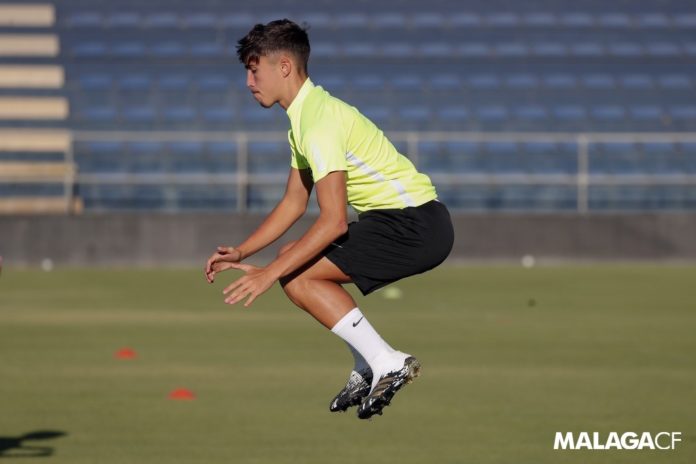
(252, 297)
(237, 295)
(241, 266)
(234, 285)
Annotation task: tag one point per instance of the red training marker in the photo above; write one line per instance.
(126, 353)
(182, 394)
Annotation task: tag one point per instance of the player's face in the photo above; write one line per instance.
(264, 79)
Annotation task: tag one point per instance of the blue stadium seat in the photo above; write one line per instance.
(179, 114)
(614, 20)
(564, 81)
(351, 20)
(599, 81)
(316, 19)
(206, 197)
(471, 50)
(683, 19)
(206, 49)
(414, 116)
(174, 82)
(625, 49)
(162, 19)
(428, 20)
(517, 49)
(168, 49)
(503, 19)
(453, 114)
(549, 49)
(683, 112)
(397, 49)
(123, 19)
(380, 115)
(483, 81)
(608, 112)
(637, 81)
(650, 20)
(238, 20)
(592, 49)
(222, 157)
(99, 156)
(324, 49)
(84, 19)
(445, 82)
(577, 20)
(530, 112)
(146, 156)
(268, 157)
(201, 20)
(186, 156)
(675, 82)
(128, 49)
(549, 158)
(135, 82)
(369, 82)
(492, 113)
(503, 158)
(213, 82)
(540, 19)
(408, 82)
(646, 113)
(663, 49)
(465, 20)
(435, 49)
(95, 81)
(220, 114)
(569, 112)
(88, 49)
(358, 49)
(98, 114)
(138, 114)
(521, 81)
(389, 19)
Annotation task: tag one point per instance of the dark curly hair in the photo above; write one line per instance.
(278, 35)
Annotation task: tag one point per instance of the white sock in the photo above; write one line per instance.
(359, 363)
(357, 331)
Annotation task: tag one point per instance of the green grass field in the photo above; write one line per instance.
(510, 356)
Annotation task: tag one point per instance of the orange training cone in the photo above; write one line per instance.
(182, 394)
(126, 353)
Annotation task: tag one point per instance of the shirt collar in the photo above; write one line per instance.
(296, 105)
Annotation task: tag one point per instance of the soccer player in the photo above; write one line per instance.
(402, 228)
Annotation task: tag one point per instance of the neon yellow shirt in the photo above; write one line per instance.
(328, 135)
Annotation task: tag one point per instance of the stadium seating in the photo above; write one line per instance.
(469, 66)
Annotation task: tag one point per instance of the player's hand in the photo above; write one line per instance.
(220, 261)
(256, 281)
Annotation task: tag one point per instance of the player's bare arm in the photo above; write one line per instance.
(290, 208)
(331, 224)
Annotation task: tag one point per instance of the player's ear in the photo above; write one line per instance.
(285, 65)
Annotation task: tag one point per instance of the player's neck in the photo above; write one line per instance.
(294, 85)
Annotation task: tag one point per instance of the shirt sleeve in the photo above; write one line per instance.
(297, 161)
(324, 150)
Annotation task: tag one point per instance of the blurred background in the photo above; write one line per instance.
(564, 114)
(561, 134)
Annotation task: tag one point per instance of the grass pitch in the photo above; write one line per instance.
(510, 356)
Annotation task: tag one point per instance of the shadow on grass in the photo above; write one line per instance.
(16, 447)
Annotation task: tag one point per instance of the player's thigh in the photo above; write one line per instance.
(320, 268)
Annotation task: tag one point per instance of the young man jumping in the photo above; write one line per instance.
(402, 228)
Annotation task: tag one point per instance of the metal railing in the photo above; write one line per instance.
(581, 180)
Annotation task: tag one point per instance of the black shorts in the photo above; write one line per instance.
(386, 245)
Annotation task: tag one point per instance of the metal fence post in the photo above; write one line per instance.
(583, 174)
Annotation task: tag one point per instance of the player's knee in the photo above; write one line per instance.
(294, 287)
(286, 247)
